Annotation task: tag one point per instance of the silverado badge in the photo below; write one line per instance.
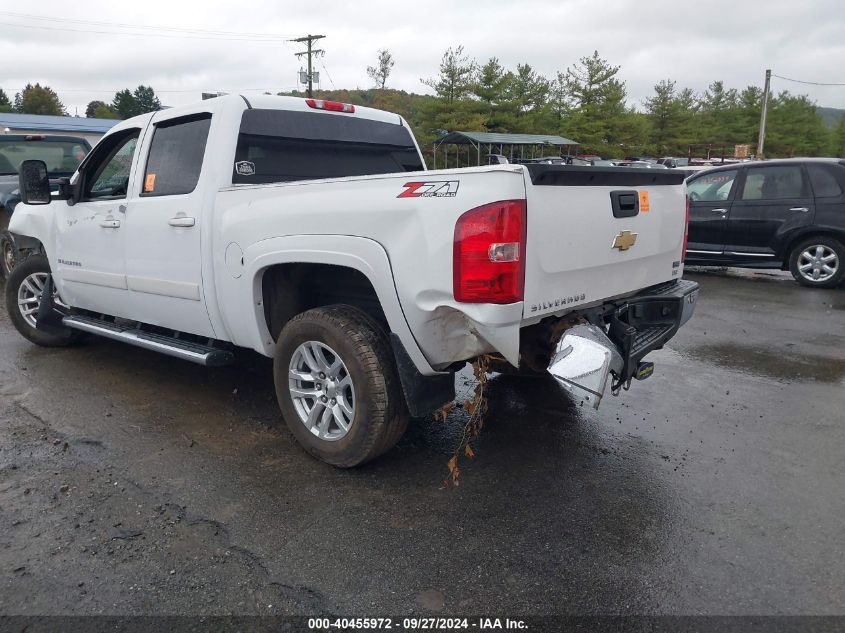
(624, 240)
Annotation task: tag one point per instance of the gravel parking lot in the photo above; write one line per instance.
(134, 484)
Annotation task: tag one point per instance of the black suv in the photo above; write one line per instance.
(787, 214)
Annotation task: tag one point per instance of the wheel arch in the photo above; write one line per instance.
(357, 260)
(810, 232)
(290, 288)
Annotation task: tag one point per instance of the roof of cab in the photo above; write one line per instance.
(266, 102)
(274, 102)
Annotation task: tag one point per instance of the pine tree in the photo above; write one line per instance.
(457, 75)
(591, 101)
(5, 104)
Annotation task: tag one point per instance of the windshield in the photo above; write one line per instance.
(61, 157)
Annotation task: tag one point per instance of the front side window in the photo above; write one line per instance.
(713, 187)
(176, 152)
(773, 183)
(109, 174)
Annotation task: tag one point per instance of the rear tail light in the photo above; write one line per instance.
(333, 106)
(686, 233)
(488, 260)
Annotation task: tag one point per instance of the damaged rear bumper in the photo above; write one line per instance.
(587, 357)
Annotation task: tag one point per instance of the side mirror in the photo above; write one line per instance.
(34, 182)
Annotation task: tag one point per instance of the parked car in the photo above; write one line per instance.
(787, 214)
(602, 162)
(309, 231)
(641, 164)
(558, 160)
(61, 154)
(673, 162)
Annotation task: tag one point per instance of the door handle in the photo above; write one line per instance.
(723, 211)
(181, 220)
(801, 209)
(110, 223)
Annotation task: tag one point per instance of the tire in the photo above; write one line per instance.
(362, 380)
(818, 262)
(7, 254)
(29, 271)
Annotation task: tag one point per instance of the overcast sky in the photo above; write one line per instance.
(693, 43)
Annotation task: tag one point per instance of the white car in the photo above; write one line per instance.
(310, 231)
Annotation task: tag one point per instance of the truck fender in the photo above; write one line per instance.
(362, 254)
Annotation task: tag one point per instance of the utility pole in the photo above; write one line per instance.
(762, 138)
(309, 40)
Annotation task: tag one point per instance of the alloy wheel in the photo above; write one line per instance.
(818, 263)
(29, 297)
(322, 391)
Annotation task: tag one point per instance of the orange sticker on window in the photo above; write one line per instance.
(643, 201)
(150, 183)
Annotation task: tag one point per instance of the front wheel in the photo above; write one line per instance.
(23, 298)
(818, 262)
(337, 385)
(7, 254)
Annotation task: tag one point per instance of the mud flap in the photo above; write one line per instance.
(49, 318)
(424, 394)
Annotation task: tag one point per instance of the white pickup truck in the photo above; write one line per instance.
(311, 232)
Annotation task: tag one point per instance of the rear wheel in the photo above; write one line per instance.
(818, 262)
(337, 385)
(23, 298)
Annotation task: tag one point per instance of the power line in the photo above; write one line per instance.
(143, 26)
(197, 90)
(173, 36)
(811, 83)
(327, 74)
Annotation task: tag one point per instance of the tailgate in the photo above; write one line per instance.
(596, 233)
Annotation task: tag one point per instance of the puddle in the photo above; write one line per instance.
(772, 363)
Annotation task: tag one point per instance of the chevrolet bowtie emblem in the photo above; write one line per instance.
(625, 240)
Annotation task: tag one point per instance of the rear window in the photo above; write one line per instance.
(61, 157)
(780, 182)
(283, 146)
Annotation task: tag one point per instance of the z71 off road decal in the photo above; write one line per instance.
(430, 189)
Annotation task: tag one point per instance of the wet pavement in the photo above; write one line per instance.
(131, 483)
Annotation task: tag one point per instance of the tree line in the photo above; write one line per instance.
(38, 99)
(586, 102)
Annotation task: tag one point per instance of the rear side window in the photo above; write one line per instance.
(774, 183)
(283, 146)
(825, 184)
(175, 160)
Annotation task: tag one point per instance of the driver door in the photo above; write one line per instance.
(89, 261)
(710, 202)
